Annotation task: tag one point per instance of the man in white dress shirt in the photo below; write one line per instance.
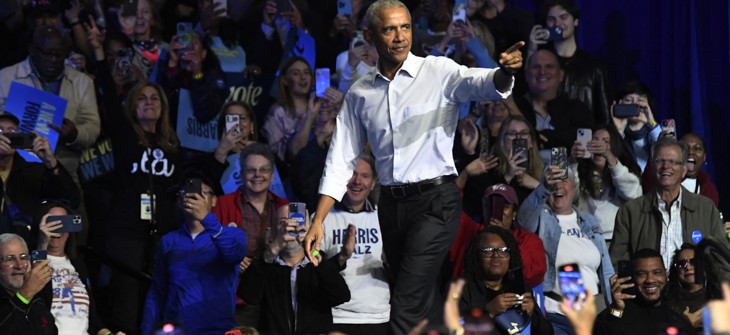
(407, 111)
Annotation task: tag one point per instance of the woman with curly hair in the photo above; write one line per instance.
(684, 295)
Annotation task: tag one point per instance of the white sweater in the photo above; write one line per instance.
(604, 209)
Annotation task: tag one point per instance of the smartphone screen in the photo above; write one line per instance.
(584, 135)
(344, 7)
(520, 145)
(669, 127)
(459, 13)
(185, 31)
(232, 122)
(298, 211)
(571, 285)
(559, 158)
(322, 81)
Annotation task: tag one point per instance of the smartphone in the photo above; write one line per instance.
(497, 206)
(625, 111)
(221, 4)
(322, 81)
(357, 39)
(459, 13)
(559, 158)
(185, 33)
(555, 33)
(38, 255)
(668, 125)
(71, 223)
(192, 185)
(124, 62)
(232, 122)
(584, 135)
(298, 211)
(626, 269)
(344, 7)
(571, 285)
(520, 144)
(130, 7)
(21, 140)
(282, 6)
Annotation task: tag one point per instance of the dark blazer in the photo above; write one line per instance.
(318, 290)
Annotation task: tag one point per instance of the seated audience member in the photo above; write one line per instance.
(68, 293)
(669, 215)
(533, 262)
(296, 297)
(25, 184)
(282, 120)
(520, 170)
(570, 236)
(555, 116)
(607, 179)
(696, 180)
(494, 281)
(22, 309)
(684, 295)
(642, 131)
(646, 312)
(196, 268)
(251, 208)
(368, 310)
(45, 70)
(308, 146)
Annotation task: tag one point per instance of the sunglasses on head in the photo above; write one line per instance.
(682, 264)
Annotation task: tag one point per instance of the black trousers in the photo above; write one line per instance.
(417, 234)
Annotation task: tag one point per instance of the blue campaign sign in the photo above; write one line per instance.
(36, 109)
(193, 134)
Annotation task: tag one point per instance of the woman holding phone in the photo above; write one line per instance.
(569, 236)
(607, 179)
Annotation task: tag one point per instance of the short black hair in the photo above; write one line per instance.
(647, 253)
(568, 5)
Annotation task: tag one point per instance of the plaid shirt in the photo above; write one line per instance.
(672, 237)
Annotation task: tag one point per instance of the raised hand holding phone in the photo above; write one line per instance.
(571, 285)
(618, 285)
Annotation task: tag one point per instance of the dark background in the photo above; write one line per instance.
(680, 49)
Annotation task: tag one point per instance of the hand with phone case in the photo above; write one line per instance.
(280, 236)
(618, 285)
(584, 318)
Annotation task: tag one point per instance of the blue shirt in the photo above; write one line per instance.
(194, 280)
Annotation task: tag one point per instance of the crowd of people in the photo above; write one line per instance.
(205, 175)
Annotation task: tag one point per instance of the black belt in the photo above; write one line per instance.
(407, 190)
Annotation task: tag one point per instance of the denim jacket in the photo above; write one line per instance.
(536, 216)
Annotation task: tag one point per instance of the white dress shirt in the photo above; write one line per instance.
(409, 121)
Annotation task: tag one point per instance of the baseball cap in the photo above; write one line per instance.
(9, 116)
(498, 190)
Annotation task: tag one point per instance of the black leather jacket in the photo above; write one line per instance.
(586, 80)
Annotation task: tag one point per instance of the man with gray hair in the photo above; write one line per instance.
(407, 110)
(21, 310)
(670, 215)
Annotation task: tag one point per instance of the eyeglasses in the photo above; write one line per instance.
(682, 264)
(492, 252)
(51, 53)
(12, 259)
(262, 170)
(661, 162)
(522, 134)
(10, 131)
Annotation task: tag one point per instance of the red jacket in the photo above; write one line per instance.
(228, 209)
(533, 253)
